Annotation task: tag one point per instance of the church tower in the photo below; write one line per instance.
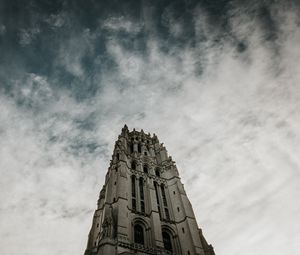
(143, 207)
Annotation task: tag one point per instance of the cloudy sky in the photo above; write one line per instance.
(217, 81)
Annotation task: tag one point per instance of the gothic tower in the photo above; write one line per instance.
(143, 207)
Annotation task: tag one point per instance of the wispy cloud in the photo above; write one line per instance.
(26, 36)
(219, 91)
(120, 24)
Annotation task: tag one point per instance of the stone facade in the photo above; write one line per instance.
(143, 207)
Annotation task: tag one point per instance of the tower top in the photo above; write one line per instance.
(139, 135)
(142, 207)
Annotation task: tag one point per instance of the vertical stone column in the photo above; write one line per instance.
(123, 199)
(155, 219)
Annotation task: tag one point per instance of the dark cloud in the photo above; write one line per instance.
(67, 40)
(218, 81)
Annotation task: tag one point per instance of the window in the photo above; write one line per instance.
(145, 168)
(133, 193)
(167, 241)
(141, 186)
(133, 186)
(118, 156)
(139, 148)
(165, 202)
(189, 253)
(138, 234)
(157, 172)
(157, 198)
(174, 192)
(167, 214)
(178, 209)
(163, 195)
(133, 204)
(182, 230)
(142, 206)
(131, 148)
(145, 153)
(133, 165)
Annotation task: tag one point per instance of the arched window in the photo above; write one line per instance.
(131, 148)
(145, 168)
(157, 173)
(118, 156)
(133, 165)
(139, 148)
(138, 234)
(167, 241)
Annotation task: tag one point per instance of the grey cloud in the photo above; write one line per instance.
(229, 118)
(2, 29)
(122, 24)
(56, 20)
(27, 35)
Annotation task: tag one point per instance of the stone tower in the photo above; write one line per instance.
(143, 207)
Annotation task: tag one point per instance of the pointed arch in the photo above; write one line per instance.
(133, 165)
(167, 240)
(170, 239)
(139, 234)
(140, 230)
(146, 169)
(157, 172)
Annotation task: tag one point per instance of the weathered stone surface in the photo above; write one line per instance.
(143, 207)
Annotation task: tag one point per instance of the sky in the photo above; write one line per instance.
(216, 81)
